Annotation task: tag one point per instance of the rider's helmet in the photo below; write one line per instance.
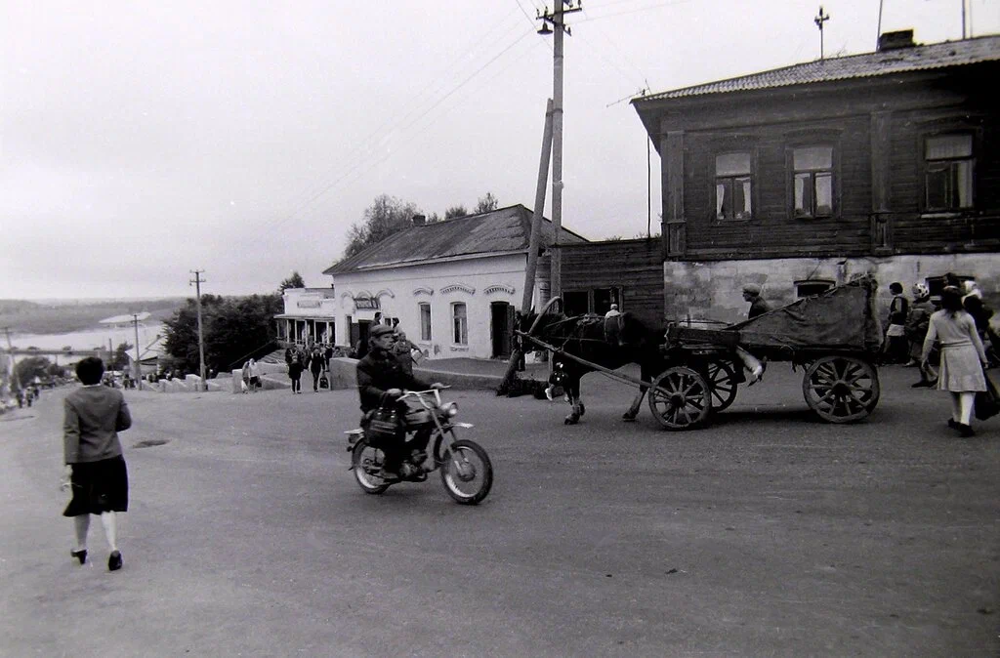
(920, 291)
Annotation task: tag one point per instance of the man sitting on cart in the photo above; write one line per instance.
(382, 378)
(751, 293)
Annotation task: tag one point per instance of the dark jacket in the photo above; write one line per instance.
(295, 368)
(757, 307)
(316, 363)
(378, 372)
(93, 417)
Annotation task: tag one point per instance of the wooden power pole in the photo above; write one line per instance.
(559, 30)
(533, 246)
(201, 339)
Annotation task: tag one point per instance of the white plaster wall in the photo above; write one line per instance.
(401, 289)
(320, 302)
(713, 290)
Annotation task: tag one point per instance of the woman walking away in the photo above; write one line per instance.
(316, 367)
(295, 373)
(962, 357)
(95, 467)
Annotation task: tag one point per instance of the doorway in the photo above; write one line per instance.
(501, 328)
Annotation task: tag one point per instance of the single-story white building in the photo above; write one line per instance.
(452, 285)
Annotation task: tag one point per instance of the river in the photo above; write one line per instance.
(91, 338)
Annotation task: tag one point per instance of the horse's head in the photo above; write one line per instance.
(535, 323)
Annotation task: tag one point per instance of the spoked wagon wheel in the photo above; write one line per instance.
(680, 398)
(722, 380)
(841, 388)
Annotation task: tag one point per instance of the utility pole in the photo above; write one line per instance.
(11, 374)
(819, 20)
(517, 353)
(201, 340)
(557, 18)
(137, 370)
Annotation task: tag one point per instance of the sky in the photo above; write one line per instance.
(142, 140)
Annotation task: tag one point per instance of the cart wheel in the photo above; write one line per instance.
(722, 379)
(841, 388)
(680, 398)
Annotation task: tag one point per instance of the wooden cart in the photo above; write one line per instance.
(834, 336)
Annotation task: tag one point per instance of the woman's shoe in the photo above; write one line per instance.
(114, 561)
(965, 430)
(80, 555)
(953, 424)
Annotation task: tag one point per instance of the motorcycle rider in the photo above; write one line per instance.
(380, 374)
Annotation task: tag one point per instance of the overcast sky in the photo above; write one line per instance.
(141, 140)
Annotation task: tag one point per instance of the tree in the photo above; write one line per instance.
(235, 329)
(119, 358)
(181, 332)
(487, 203)
(27, 369)
(456, 211)
(386, 215)
(294, 281)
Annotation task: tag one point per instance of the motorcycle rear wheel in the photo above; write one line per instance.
(466, 472)
(366, 462)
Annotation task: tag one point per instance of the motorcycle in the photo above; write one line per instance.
(466, 471)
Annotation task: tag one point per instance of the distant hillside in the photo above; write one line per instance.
(27, 317)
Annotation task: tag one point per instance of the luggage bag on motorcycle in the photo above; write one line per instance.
(383, 423)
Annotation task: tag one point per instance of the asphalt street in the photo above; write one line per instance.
(770, 533)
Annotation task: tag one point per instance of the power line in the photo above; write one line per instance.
(318, 189)
(634, 11)
(359, 168)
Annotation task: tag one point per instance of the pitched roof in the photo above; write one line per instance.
(500, 231)
(868, 65)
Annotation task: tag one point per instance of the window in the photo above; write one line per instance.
(813, 181)
(594, 300)
(460, 323)
(948, 172)
(576, 302)
(732, 186)
(425, 321)
(604, 298)
(810, 287)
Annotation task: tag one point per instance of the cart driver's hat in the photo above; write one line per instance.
(380, 330)
(752, 289)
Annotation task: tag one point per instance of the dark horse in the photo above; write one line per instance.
(608, 342)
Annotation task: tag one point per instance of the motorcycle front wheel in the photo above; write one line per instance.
(466, 472)
(366, 462)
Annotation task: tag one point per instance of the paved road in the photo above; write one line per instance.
(767, 534)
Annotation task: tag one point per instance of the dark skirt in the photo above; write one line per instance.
(99, 487)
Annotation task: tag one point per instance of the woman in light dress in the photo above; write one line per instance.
(962, 358)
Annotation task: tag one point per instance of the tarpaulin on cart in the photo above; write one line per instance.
(840, 318)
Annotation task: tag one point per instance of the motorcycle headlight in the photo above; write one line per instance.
(450, 409)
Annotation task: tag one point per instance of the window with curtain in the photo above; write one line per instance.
(425, 321)
(461, 323)
(812, 181)
(948, 166)
(733, 186)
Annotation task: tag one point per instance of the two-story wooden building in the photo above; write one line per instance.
(800, 177)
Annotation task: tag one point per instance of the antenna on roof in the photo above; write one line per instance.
(819, 20)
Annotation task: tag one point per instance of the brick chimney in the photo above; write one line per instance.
(419, 220)
(895, 40)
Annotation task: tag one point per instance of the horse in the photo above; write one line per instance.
(608, 342)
